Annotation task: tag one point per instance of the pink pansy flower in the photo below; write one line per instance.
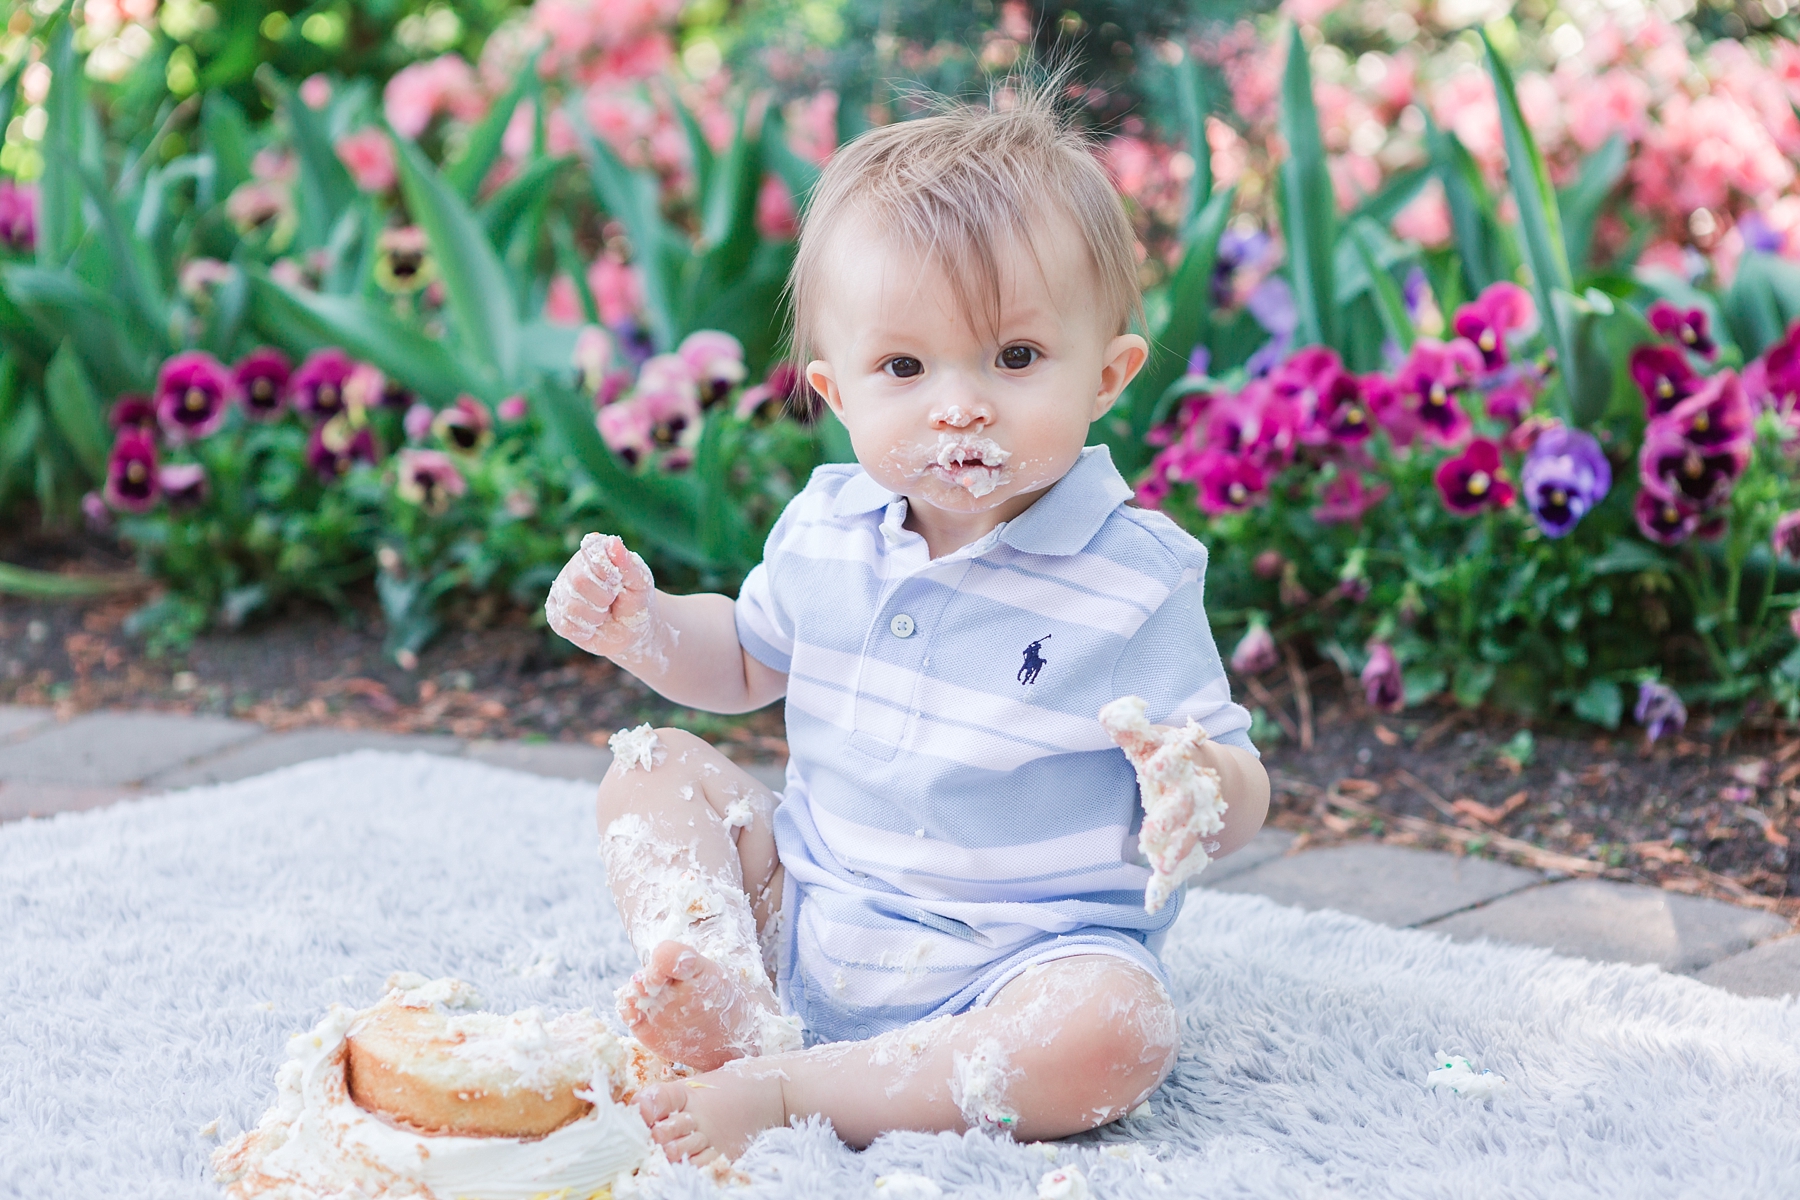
(428, 479)
(132, 483)
(1430, 383)
(18, 215)
(512, 409)
(592, 357)
(1228, 483)
(1255, 652)
(1686, 326)
(1342, 412)
(369, 157)
(1509, 402)
(1786, 538)
(767, 399)
(262, 380)
(1700, 476)
(1663, 516)
(135, 413)
(317, 388)
(625, 426)
(1663, 375)
(315, 91)
(193, 390)
(715, 360)
(1487, 321)
(337, 445)
(1346, 498)
(466, 426)
(1717, 415)
(417, 422)
(1383, 685)
(183, 484)
(1473, 480)
(777, 220)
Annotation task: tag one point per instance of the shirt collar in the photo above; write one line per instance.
(1063, 520)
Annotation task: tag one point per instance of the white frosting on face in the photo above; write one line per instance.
(318, 1144)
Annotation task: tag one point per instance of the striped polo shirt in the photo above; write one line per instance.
(953, 804)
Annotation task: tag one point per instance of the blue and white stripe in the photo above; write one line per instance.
(944, 824)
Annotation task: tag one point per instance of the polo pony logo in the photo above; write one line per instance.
(1034, 660)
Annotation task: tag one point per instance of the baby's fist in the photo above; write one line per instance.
(601, 600)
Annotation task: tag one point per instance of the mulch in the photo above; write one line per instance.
(1709, 812)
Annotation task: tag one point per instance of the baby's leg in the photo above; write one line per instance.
(1066, 1046)
(690, 857)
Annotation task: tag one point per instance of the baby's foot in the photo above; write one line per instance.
(713, 1117)
(687, 1008)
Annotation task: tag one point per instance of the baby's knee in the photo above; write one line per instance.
(1125, 1028)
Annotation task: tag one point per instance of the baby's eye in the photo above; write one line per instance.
(1017, 358)
(903, 367)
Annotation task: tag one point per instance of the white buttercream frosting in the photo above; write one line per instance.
(1183, 804)
(635, 748)
(316, 1143)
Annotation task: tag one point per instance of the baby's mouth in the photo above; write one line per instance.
(974, 463)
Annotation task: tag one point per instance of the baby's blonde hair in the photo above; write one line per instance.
(958, 184)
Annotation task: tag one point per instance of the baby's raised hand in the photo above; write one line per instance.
(1182, 802)
(603, 599)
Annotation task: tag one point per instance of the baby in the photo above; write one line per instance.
(946, 903)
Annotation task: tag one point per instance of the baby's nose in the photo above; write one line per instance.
(961, 416)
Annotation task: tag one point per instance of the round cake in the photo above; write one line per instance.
(423, 1096)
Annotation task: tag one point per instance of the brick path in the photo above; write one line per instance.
(49, 767)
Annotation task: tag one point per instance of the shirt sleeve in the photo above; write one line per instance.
(764, 626)
(1174, 664)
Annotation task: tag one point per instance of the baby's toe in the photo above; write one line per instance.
(671, 962)
(693, 1148)
(661, 1101)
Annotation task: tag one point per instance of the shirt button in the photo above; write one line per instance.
(902, 625)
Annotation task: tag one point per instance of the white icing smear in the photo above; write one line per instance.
(739, 814)
(1182, 802)
(1457, 1074)
(638, 747)
(978, 1084)
(972, 462)
(1064, 1183)
(318, 1144)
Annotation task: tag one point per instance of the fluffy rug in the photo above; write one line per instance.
(155, 956)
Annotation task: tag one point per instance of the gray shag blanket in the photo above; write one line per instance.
(155, 957)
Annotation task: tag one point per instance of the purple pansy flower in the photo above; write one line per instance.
(1759, 236)
(336, 445)
(1699, 475)
(1662, 373)
(1255, 652)
(1383, 685)
(18, 215)
(428, 479)
(1473, 480)
(182, 484)
(1346, 498)
(1486, 321)
(1565, 475)
(193, 390)
(262, 379)
(1716, 416)
(1429, 383)
(1659, 710)
(131, 475)
(1686, 326)
(317, 388)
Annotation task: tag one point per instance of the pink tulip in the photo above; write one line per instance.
(369, 158)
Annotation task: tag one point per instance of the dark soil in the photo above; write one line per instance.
(1703, 813)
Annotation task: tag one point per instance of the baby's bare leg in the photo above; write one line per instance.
(1065, 1047)
(690, 857)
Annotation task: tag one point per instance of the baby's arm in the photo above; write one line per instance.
(1201, 798)
(685, 647)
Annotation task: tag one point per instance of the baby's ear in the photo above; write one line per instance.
(819, 375)
(1124, 357)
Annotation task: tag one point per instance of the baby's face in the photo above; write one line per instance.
(955, 416)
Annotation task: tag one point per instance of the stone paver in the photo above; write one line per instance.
(768, 774)
(17, 719)
(1619, 922)
(21, 800)
(1267, 844)
(266, 753)
(1771, 969)
(116, 748)
(1390, 884)
(558, 760)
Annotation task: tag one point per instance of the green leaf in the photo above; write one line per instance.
(61, 305)
(1472, 681)
(661, 507)
(1394, 196)
(568, 261)
(780, 160)
(724, 539)
(699, 149)
(502, 215)
(1482, 245)
(1308, 203)
(59, 228)
(634, 199)
(76, 411)
(302, 321)
(132, 268)
(1390, 302)
(1600, 702)
(475, 282)
(1627, 555)
(1582, 201)
(227, 136)
(9, 91)
(1763, 301)
(728, 225)
(1540, 221)
(325, 187)
(48, 585)
(483, 147)
(1194, 102)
